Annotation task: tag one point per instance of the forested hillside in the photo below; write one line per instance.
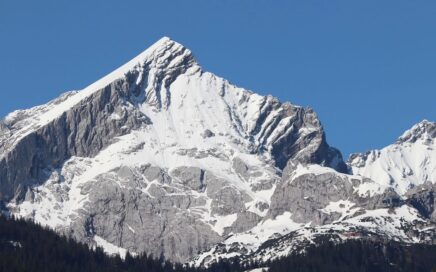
(360, 256)
(25, 246)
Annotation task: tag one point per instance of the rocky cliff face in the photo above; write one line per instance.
(163, 157)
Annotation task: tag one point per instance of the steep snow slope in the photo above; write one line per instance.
(407, 163)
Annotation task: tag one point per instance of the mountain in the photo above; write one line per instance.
(163, 157)
(312, 202)
(408, 163)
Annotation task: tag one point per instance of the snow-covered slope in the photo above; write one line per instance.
(405, 164)
(280, 237)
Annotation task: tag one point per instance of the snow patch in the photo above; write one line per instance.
(110, 248)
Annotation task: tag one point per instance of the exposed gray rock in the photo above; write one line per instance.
(262, 206)
(167, 63)
(240, 168)
(214, 183)
(388, 199)
(155, 173)
(4, 134)
(83, 130)
(227, 200)
(207, 134)
(244, 221)
(248, 173)
(157, 223)
(192, 177)
(304, 147)
(157, 220)
(306, 195)
(423, 199)
(425, 130)
(262, 185)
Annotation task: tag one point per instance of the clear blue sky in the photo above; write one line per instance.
(368, 68)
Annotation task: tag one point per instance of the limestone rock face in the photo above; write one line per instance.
(423, 199)
(310, 194)
(82, 131)
(307, 195)
(151, 220)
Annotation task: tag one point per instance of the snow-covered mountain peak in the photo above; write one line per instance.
(165, 54)
(148, 76)
(424, 131)
(180, 151)
(403, 165)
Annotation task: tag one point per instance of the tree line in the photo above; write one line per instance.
(26, 246)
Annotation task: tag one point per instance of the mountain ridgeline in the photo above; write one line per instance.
(163, 158)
